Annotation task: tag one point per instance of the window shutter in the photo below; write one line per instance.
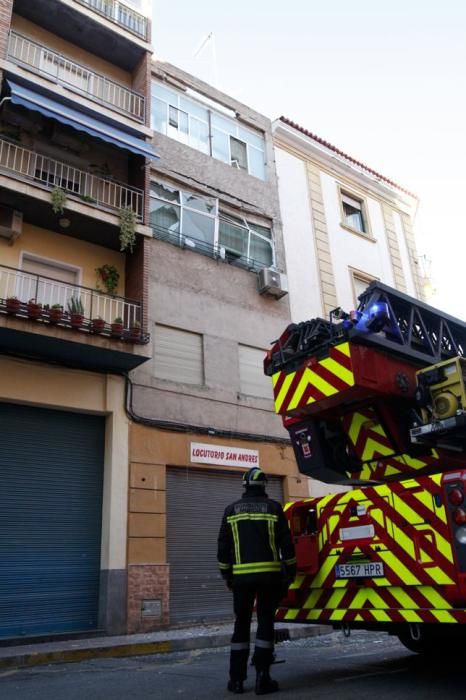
(251, 373)
(355, 203)
(178, 355)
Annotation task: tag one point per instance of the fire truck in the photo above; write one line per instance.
(376, 399)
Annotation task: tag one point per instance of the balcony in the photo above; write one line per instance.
(121, 14)
(98, 191)
(62, 71)
(48, 319)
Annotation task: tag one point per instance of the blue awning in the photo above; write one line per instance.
(79, 120)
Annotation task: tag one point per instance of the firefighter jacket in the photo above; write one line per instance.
(254, 542)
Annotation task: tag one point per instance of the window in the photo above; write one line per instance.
(206, 130)
(243, 238)
(354, 212)
(56, 290)
(179, 215)
(360, 282)
(251, 373)
(180, 118)
(191, 220)
(239, 156)
(178, 355)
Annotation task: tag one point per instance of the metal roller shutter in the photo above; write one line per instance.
(195, 503)
(51, 472)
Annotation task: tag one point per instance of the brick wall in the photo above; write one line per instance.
(137, 275)
(6, 9)
(148, 583)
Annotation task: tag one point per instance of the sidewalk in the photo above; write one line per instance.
(163, 642)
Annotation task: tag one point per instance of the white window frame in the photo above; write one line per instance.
(360, 276)
(51, 262)
(344, 192)
(237, 130)
(183, 237)
(217, 215)
(243, 223)
(170, 131)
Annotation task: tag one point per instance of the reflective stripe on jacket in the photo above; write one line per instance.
(254, 540)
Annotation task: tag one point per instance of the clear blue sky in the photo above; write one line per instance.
(383, 81)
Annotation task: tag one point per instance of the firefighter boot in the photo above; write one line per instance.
(235, 687)
(265, 684)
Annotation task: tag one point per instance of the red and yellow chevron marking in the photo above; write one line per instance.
(391, 466)
(307, 385)
(419, 604)
(411, 538)
(371, 444)
(367, 435)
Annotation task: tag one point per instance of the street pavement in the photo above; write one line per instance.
(365, 666)
(160, 642)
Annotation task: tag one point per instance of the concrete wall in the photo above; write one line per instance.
(196, 293)
(54, 247)
(322, 253)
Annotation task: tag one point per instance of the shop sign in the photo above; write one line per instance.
(202, 453)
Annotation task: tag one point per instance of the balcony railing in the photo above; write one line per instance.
(103, 192)
(121, 14)
(52, 294)
(97, 87)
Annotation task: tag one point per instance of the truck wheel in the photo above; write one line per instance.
(429, 640)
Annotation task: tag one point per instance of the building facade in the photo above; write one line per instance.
(74, 153)
(202, 409)
(344, 225)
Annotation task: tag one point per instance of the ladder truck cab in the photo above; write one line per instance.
(375, 399)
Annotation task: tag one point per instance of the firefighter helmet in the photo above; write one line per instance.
(254, 477)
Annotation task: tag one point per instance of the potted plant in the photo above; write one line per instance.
(127, 229)
(98, 324)
(110, 277)
(135, 332)
(13, 305)
(117, 328)
(34, 309)
(55, 313)
(58, 200)
(76, 311)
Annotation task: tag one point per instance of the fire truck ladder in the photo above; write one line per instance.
(385, 318)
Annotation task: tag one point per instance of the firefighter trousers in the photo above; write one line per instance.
(267, 598)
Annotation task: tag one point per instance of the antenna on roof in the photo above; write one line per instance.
(210, 42)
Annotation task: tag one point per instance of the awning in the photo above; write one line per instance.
(79, 120)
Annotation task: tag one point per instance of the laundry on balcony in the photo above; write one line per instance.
(78, 120)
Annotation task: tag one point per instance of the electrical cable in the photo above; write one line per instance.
(189, 428)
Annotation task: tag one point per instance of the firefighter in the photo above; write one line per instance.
(257, 560)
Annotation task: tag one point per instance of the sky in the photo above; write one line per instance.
(382, 81)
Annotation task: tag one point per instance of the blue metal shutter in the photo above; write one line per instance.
(196, 500)
(51, 474)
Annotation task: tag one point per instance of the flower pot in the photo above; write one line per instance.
(76, 320)
(135, 335)
(116, 330)
(34, 310)
(55, 315)
(13, 306)
(98, 325)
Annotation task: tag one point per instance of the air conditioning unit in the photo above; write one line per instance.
(271, 282)
(11, 223)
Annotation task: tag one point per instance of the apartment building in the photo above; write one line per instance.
(344, 225)
(74, 153)
(201, 408)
